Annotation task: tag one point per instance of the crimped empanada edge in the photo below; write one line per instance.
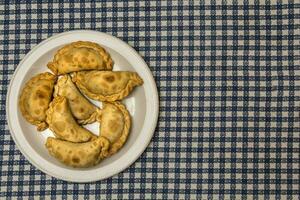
(105, 145)
(105, 55)
(50, 110)
(52, 67)
(93, 117)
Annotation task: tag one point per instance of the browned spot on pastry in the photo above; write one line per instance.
(37, 112)
(114, 87)
(76, 100)
(81, 110)
(109, 78)
(40, 94)
(75, 159)
(93, 60)
(76, 59)
(60, 126)
(46, 87)
(70, 151)
(68, 58)
(72, 131)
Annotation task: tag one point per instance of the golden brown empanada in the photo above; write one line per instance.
(106, 85)
(78, 154)
(80, 55)
(35, 98)
(63, 124)
(83, 110)
(115, 125)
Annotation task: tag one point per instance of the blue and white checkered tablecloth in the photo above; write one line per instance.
(228, 75)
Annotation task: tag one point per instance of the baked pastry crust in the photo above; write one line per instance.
(115, 124)
(63, 124)
(85, 154)
(82, 109)
(106, 85)
(35, 98)
(80, 55)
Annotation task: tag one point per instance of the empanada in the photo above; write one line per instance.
(35, 98)
(78, 154)
(106, 85)
(115, 125)
(83, 110)
(81, 55)
(63, 124)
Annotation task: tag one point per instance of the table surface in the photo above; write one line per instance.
(228, 77)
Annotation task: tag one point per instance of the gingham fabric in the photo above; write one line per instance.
(228, 75)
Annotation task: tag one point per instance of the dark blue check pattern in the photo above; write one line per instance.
(228, 75)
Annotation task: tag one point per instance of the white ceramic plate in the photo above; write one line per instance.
(142, 104)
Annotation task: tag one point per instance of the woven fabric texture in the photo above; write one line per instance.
(228, 75)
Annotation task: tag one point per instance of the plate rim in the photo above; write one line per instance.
(152, 126)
